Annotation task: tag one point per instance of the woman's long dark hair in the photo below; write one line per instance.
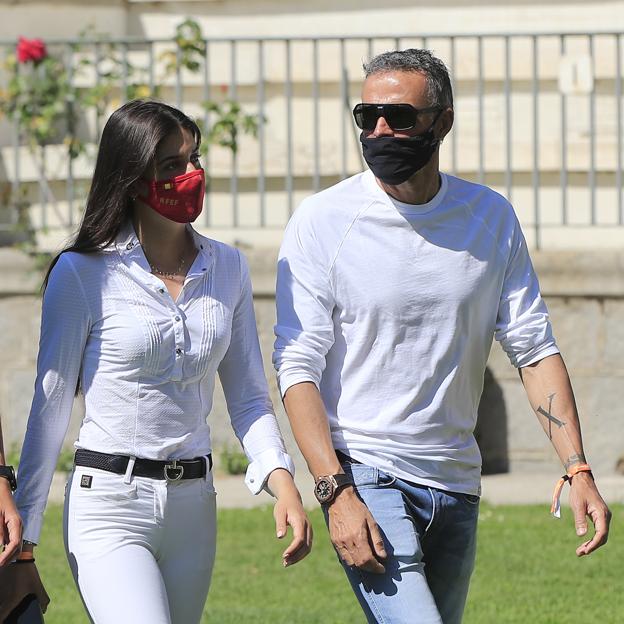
(127, 150)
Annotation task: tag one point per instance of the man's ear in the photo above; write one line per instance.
(445, 122)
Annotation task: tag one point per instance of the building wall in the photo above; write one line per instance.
(584, 291)
(585, 295)
(286, 18)
(63, 19)
(342, 17)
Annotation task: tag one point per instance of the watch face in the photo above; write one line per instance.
(323, 490)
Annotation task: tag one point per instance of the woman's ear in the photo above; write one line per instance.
(138, 188)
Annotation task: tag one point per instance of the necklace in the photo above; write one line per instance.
(168, 274)
(174, 275)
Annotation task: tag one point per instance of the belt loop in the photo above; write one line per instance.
(128, 476)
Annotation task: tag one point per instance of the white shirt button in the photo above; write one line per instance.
(177, 318)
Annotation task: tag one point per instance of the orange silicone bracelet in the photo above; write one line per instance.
(555, 508)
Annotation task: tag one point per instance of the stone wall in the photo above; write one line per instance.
(585, 295)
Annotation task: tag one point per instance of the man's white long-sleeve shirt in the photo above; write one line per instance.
(390, 309)
(146, 364)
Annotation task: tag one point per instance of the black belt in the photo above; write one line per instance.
(343, 458)
(171, 470)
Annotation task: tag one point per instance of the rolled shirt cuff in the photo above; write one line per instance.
(33, 522)
(536, 355)
(286, 379)
(263, 465)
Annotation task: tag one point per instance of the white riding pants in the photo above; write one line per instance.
(141, 550)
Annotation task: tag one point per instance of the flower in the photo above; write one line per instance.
(30, 50)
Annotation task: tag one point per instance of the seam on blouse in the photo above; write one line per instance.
(154, 336)
(208, 315)
(136, 417)
(81, 286)
(242, 294)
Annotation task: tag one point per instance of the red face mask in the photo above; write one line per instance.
(179, 199)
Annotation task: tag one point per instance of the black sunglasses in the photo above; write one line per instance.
(397, 116)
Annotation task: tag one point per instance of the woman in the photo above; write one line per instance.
(10, 522)
(140, 313)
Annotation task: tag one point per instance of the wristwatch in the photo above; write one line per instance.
(327, 486)
(7, 472)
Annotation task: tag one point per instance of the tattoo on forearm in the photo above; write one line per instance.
(548, 415)
(579, 458)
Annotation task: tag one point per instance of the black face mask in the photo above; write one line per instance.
(395, 160)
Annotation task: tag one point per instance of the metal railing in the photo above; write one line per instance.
(538, 117)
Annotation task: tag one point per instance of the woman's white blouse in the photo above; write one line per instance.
(146, 365)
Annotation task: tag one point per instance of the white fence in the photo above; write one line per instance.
(538, 117)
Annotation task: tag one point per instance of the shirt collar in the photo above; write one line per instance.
(205, 255)
(126, 239)
(402, 207)
(127, 243)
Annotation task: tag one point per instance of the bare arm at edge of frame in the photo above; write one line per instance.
(10, 521)
(550, 393)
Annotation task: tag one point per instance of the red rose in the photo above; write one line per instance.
(30, 50)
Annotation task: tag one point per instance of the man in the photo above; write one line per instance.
(391, 285)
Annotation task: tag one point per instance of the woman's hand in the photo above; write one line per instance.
(289, 510)
(17, 581)
(10, 524)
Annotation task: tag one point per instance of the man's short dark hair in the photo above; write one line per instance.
(439, 90)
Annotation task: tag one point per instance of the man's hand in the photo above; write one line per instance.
(352, 528)
(355, 534)
(585, 500)
(10, 524)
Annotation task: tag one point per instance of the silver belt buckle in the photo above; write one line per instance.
(178, 471)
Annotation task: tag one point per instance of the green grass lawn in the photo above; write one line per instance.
(526, 572)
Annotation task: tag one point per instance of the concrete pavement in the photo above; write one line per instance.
(503, 489)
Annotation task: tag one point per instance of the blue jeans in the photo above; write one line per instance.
(430, 537)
